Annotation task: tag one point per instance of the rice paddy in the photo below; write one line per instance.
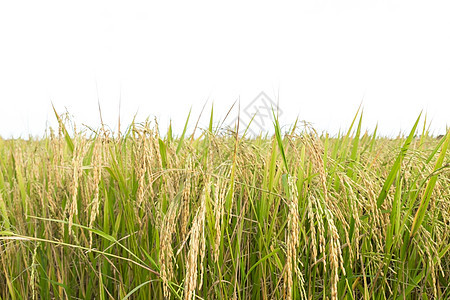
(213, 214)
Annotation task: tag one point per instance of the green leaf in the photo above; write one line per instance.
(420, 214)
(162, 151)
(280, 140)
(180, 142)
(396, 166)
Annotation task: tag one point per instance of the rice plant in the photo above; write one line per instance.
(87, 214)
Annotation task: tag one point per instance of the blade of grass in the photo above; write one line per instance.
(420, 214)
(180, 142)
(280, 140)
(396, 167)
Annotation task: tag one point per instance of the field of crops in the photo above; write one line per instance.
(211, 214)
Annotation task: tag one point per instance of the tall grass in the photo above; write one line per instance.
(90, 215)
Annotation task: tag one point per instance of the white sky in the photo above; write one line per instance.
(320, 59)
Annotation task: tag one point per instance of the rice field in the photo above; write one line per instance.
(213, 214)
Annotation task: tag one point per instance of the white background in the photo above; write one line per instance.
(319, 59)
